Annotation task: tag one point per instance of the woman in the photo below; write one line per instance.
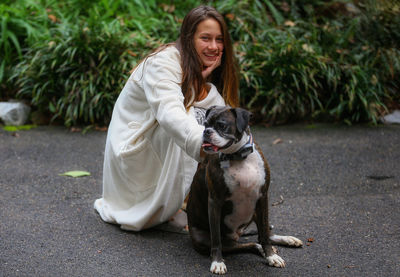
(155, 135)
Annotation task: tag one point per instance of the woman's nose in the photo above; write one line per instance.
(213, 44)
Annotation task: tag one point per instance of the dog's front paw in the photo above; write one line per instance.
(276, 261)
(218, 268)
(295, 242)
(286, 241)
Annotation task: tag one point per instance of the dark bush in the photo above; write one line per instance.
(320, 60)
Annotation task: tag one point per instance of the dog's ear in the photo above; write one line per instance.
(242, 118)
(209, 110)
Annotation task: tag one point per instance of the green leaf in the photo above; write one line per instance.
(10, 128)
(76, 173)
(2, 66)
(277, 15)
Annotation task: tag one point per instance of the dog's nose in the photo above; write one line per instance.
(207, 132)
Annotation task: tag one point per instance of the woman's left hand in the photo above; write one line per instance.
(208, 70)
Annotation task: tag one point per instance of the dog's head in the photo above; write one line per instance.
(224, 126)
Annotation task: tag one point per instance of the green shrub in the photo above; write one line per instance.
(21, 24)
(313, 67)
(298, 59)
(77, 75)
(281, 79)
(379, 35)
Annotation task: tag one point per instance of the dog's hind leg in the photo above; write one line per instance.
(231, 246)
(251, 229)
(285, 241)
(261, 219)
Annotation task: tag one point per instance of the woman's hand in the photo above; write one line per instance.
(208, 70)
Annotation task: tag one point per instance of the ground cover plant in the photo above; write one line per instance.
(306, 59)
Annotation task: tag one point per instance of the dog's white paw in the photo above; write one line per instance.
(261, 250)
(286, 241)
(276, 261)
(218, 268)
(295, 242)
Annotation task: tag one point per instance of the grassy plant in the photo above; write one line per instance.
(20, 24)
(77, 75)
(281, 79)
(298, 59)
(318, 68)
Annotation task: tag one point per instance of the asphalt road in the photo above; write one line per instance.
(335, 187)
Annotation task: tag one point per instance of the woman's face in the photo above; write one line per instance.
(208, 41)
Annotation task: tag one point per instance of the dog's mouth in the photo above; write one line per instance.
(209, 147)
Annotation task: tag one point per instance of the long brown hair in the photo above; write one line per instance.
(224, 77)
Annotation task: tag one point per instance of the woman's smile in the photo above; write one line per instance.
(208, 41)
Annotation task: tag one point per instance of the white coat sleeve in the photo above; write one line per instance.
(161, 83)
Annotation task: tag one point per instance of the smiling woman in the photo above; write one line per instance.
(154, 139)
(209, 44)
(204, 28)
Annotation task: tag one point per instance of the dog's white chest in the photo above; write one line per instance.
(244, 180)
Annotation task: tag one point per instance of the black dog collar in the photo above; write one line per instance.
(239, 155)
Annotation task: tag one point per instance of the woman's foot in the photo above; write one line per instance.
(179, 220)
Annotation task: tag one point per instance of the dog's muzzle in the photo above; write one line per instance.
(209, 146)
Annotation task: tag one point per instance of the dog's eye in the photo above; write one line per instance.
(222, 126)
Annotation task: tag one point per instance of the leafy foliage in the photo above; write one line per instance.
(72, 73)
(9, 128)
(76, 73)
(308, 66)
(306, 59)
(76, 173)
(20, 25)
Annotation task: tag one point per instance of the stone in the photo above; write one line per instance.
(14, 113)
(393, 118)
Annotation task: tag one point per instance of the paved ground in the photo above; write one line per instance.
(340, 188)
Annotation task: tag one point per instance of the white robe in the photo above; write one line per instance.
(152, 147)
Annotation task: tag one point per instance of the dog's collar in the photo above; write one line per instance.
(245, 149)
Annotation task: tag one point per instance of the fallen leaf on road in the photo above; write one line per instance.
(278, 202)
(76, 173)
(11, 128)
(101, 129)
(75, 129)
(310, 240)
(277, 141)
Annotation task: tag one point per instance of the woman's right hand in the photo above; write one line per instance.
(208, 70)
